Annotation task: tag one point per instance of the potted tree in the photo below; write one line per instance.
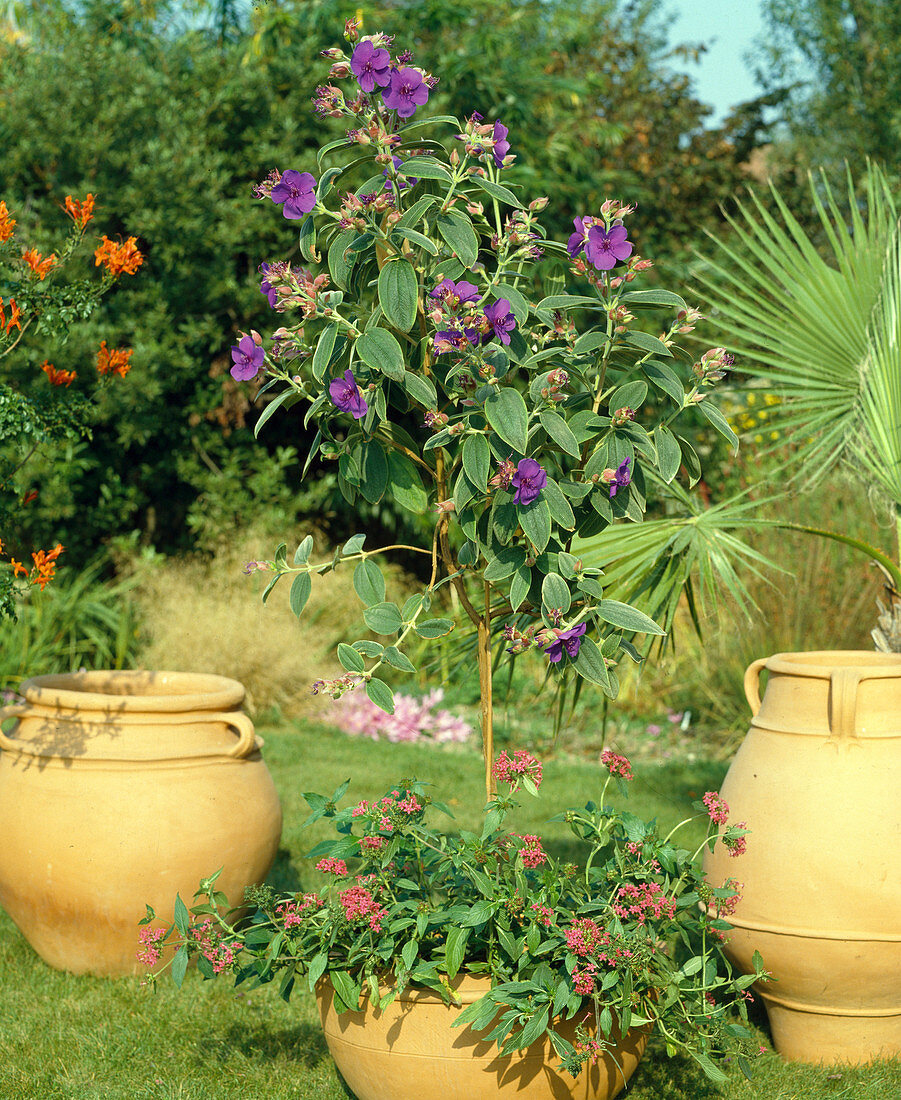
(455, 360)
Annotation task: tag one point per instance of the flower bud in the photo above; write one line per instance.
(339, 71)
(538, 204)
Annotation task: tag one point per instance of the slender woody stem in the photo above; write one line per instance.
(485, 693)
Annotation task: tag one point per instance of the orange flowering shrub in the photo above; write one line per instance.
(32, 297)
(58, 377)
(118, 259)
(40, 266)
(113, 360)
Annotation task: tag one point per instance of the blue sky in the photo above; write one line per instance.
(723, 77)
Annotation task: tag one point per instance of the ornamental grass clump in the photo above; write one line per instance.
(522, 393)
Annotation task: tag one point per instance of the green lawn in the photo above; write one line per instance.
(69, 1038)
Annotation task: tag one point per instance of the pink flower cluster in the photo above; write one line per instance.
(717, 809)
(616, 764)
(387, 812)
(584, 936)
(509, 769)
(737, 845)
(544, 915)
(725, 907)
(583, 978)
(335, 867)
(149, 939)
(373, 844)
(292, 912)
(412, 720)
(643, 901)
(531, 852)
(213, 947)
(358, 902)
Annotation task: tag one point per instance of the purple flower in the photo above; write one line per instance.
(501, 319)
(529, 480)
(501, 145)
(621, 477)
(407, 181)
(450, 339)
(266, 287)
(605, 250)
(297, 190)
(576, 242)
(455, 294)
(248, 358)
(344, 393)
(406, 92)
(370, 66)
(570, 640)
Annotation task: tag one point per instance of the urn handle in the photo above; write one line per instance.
(843, 686)
(752, 684)
(10, 712)
(247, 741)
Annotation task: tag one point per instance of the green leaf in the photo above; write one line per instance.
(628, 617)
(665, 379)
(421, 389)
(398, 660)
(558, 505)
(416, 237)
(459, 235)
(455, 949)
(477, 460)
(496, 190)
(654, 298)
(589, 663)
(380, 694)
(301, 587)
(505, 563)
(561, 433)
(324, 348)
(425, 168)
(478, 914)
(434, 628)
(506, 412)
(307, 240)
(347, 991)
(518, 303)
(722, 425)
(535, 520)
(406, 487)
(369, 648)
(691, 460)
(303, 551)
(369, 584)
(568, 301)
(399, 293)
(350, 659)
(181, 916)
(417, 211)
(180, 965)
(646, 342)
(631, 396)
(383, 618)
(590, 341)
(271, 409)
(353, 545)
(519, 586)
(555, 593)
(381, 351)
(374, 471)
(669, 453)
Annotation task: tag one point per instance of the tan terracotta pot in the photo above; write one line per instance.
(121, 789)
(410, 1049)
(818, 781)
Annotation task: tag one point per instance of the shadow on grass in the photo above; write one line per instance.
(664, 1078)
(303, 1044)
(284, 877)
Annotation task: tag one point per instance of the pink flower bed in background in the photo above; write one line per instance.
(412, 720)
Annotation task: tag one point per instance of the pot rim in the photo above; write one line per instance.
(821, 663)
(133, 691)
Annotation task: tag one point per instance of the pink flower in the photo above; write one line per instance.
(545, 915)
(508, 769)
(641, 902)
(335, 867)
(149, 939)
(717, 809)
(583, 937)
(616, 764)
(531, 852)
(737, 844)
(373, 844)
(583, 978)
(358, 902)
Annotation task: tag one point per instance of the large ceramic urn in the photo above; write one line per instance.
(818, 781)
(410, 1048)
(119, 790)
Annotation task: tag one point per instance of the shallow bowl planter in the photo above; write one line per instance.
(121, 789)
(818, 781)
(410, 1049)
